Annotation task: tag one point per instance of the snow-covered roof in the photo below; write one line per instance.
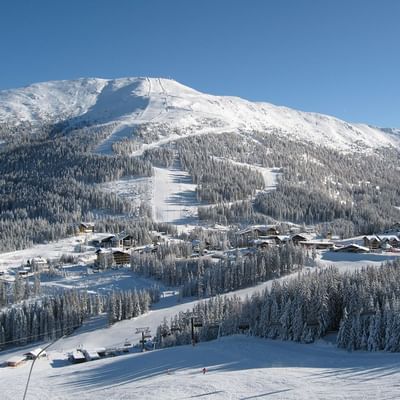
(77, 355)
(38, 260)
(35, 352)
(353, 246)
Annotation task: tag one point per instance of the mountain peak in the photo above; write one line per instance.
(131, 101)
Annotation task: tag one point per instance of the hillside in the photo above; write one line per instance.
(122, 150)
(123, 104)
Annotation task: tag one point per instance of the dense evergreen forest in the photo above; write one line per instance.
(47, 186)
(48, 178)
(362, 307)
(31, 317)
(346, 193)
(205, 276)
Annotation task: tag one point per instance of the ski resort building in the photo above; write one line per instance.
(375, 242)
(86, 227)
(106, 258)
(37, 264)
(33, 354)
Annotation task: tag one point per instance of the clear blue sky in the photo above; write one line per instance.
(340, 57)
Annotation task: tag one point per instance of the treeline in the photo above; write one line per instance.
(363, 307)
(50, 317)
(205, 276)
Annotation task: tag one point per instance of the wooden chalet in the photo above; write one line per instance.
(277, 239)
(375, 242)
(300, 237)
(121, 257)
(107, 242)
(86, 227)
(392, 240)
(372, 242)
(124, 241)
(260, 230)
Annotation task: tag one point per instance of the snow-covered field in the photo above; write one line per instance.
(238, 367)
(51, 250)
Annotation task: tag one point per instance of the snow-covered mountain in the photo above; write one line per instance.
(127, 102)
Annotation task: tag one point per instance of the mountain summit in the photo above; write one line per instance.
(123, 104)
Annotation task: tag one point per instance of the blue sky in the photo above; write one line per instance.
(339, 57)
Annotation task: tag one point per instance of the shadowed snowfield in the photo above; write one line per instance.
(238, 367)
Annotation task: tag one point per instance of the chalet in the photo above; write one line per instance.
(260, 230)
(105, 243)
(121, 257)
(15, 361)
(300, 237)
(352, 248)
(104, 258)
(375, 242)
(37, 264)
(124, 241)
(277, 239)
(392, 240)
(263, 243)
(86, 227)
(33, 354)
(317, 244)
(372, 242)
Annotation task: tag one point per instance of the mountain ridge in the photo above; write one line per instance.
(133, 101)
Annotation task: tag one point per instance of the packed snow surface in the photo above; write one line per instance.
(237, 368)
(128, 102)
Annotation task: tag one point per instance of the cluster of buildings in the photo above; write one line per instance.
(262, 236)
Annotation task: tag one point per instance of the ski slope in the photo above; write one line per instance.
(174, 110)
(238, 368)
